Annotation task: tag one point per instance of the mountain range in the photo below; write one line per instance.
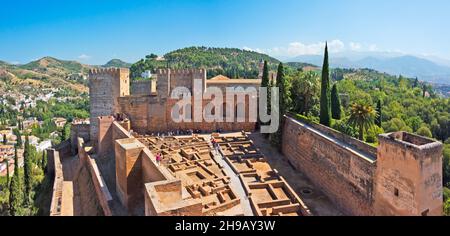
(391, 63)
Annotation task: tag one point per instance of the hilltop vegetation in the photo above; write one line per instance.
(117, 63)
(232, 62)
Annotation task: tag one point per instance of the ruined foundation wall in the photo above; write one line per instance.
(345, 177)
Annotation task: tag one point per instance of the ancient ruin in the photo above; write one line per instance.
(132, 159)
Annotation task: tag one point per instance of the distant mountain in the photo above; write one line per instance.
(232, 62)
(117, 63)
(405, 65)
(50, 65)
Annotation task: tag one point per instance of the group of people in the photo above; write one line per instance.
(181, 132)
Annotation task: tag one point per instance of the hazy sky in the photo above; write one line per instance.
(95, 31)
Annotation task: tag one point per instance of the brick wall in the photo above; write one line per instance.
(344, 176)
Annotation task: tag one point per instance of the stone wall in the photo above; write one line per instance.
(105, 87)
(78, 130)
(340, 172)
(142, 88)
(103, 196)
(129, 172)
(408, 176)
(55, 169)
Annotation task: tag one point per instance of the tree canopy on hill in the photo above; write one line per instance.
(117, 63)
(232, 62)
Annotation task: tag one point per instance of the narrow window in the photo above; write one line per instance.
(396, 192)
(425, 213)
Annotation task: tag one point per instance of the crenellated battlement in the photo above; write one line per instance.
(180, 71)
(114, 72)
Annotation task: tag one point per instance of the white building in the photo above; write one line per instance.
(146, 74)
(44, 145)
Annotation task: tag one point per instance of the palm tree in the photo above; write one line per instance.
(362, 116)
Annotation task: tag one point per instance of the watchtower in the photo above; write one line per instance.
(408, 176)
(105, 87)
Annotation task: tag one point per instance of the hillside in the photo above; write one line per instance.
(117, 63)
(232, 62)
(46, 72)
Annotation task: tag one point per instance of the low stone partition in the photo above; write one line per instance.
(343, 168)
(164, 198)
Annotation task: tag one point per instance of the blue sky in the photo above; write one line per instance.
(94, 32)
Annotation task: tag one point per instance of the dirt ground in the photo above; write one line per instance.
(317, 202)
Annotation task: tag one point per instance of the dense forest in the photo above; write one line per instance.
(232, 62)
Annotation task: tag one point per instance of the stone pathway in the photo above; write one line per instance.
(235, 182)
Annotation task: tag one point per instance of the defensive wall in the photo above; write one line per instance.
(397, 178)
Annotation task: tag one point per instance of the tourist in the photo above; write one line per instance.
(158, 158)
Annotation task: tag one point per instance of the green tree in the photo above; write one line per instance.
(424, 131)
(44, 161)
(15, 189)
(379, 117)
(265, 84)
(335, 103)
(7, 172)
(17, 133)
(325, 109)
(281, 83)
(304, 92)
(65, 132)
(362, 116)
(5, 141)
(27, 169)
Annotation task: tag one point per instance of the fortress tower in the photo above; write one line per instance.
(408, 177)
(105, 87)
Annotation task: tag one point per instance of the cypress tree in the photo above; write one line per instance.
(265, 75)
(283, 104)
(265, 84)
(7, 172)
(19, 137)
(5, 141)
(325, 109)
(44, 162)
(27, 170)
(335, 103)
(379, 114)
(15, 189)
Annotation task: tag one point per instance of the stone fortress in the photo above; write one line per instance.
(109, 166)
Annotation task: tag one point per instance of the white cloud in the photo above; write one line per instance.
(253, 50)
(298, 48)
(84, 57)
(355, 46)
(373, 48)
